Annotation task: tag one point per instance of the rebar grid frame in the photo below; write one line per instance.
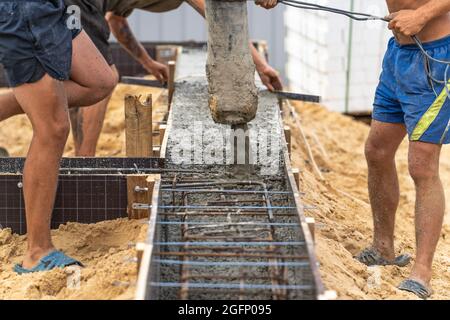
(217, 231)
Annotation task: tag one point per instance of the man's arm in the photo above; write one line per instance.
(411, 22)
(269, 76)
(121, 29)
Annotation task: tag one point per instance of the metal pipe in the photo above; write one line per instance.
(230, 255)
(157, 170)
(225, 191)
(230, 286)
(226, 213)
(232, 263)
(228, 243)
(227, 224)
(228, 207)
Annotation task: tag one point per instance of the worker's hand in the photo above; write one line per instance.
(268, 4)
(159, 70)
(407, 22)
(270, 77)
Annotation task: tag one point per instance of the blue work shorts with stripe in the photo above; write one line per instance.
(406, 94)
(35, 39)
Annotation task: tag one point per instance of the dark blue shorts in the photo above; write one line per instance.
(95, 25)
(35, 40)
(405, 93)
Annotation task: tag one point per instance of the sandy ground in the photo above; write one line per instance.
(106, 249)
(16, 133)
(343, 216)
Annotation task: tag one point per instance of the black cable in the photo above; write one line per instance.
(311, 6)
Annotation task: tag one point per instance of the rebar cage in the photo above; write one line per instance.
(228, 239)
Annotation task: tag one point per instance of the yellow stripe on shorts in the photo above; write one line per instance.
(429, 116)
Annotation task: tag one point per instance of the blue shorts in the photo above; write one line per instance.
(35, 40)
(405, 93)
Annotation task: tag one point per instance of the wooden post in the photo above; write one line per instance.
(296, 173)
(162, 132)
(140, 190)
(140, 247)
(171, 84)
(157, 151)
(151, 180)
(287, 134)
(166, 53)
(312, 227)
(138, 126)
(281, 105)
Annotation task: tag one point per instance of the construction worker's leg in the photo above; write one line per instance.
(87, 124)
(91, 78)
(45, 104)
(430, 205)
(9, 106)
(381, 146)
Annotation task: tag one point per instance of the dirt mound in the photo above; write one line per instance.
(343, 213)
(106, 249)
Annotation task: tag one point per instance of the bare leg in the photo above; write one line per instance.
(45, 104)
(91, 79)
(87, 124)
(430, 206)
(9, 106)
(382, 144)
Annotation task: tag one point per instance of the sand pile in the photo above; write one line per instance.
(105, 248)
(343, 214)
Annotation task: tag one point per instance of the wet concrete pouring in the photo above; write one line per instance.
(227, 230)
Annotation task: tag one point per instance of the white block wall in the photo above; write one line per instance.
(317, 45)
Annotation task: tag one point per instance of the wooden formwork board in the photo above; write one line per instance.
(145, 274)
(309, 240)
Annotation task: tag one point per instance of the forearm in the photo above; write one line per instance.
(258, 59)
(434, 9)
(121, 30)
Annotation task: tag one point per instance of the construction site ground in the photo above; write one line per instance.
(343, 216)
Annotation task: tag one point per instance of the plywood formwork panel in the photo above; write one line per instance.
(89, 190)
